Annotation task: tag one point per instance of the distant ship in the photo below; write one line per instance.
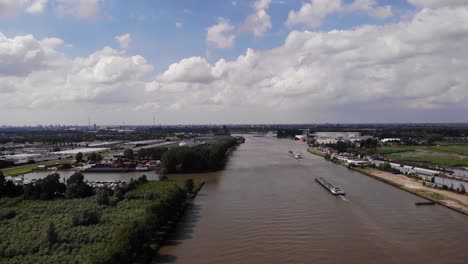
(333, 189)
(295, 155)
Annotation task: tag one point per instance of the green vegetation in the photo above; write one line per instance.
(83, 231)
(23, 169)
(198, 159)
(444, 154)
(441, 161)
(316, 152)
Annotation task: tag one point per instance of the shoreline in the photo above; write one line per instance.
(445, 198)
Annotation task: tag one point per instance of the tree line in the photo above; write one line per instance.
(198, 159)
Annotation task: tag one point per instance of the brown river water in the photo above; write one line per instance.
(265, 207)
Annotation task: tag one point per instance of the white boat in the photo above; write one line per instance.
(297, 156)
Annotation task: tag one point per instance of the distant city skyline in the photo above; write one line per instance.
(233, 62)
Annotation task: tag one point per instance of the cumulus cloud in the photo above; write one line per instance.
(33, 73)
(312, 14)
(415, 64)
(220, 35)
(418, 63)
(124, 40)
(260, 21)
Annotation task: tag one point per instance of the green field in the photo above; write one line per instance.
(316, 152)
(127, 231)
(23, 169)
(443, 154)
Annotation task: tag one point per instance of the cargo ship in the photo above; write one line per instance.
(333, 189)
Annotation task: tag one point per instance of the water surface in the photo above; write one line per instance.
(265, 207)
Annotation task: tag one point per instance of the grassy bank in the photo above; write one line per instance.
(443, 154)
(129, 230)
(316, 152)
(23, 169)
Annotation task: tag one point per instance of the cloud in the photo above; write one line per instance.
(220, 35)
(124, 40)
(262, 4)
(80, 9)
(37, 75)
(437, 3)
(312, 14)
(415, 64)
(260, 21)
(37, 6)
(179, 24)
(369, 72)
(10, 8)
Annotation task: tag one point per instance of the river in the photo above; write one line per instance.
(265, 207)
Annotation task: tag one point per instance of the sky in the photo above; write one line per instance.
(233, 62)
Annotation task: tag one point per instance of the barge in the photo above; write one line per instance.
(333, 189)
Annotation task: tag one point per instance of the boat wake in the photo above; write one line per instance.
(344, 198)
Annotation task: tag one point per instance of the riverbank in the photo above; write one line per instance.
(23, 169)
(316, 152)
(458, 202)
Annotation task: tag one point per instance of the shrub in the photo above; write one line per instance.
(150, 196)
(51, 235)
(189, 185)
(102, 196)
(7, 215)
(142, 179)
(86, 218)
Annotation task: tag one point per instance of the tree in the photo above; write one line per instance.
(102, 196)
(86, 218)
(189, 185)
(128, 153)
(95, 157)
(163, 174)
(151, 196)
(386, 166)
(142, 179)
(77, 188)
(45, 189)
(79, 157)
(51, 235)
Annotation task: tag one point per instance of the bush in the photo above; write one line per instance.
(7, 215)
(386, 167)
(86, 218)
(150, 196)
(102, 196)
(189, 185)
(142, 179)
(119, 194)
(51, 235)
